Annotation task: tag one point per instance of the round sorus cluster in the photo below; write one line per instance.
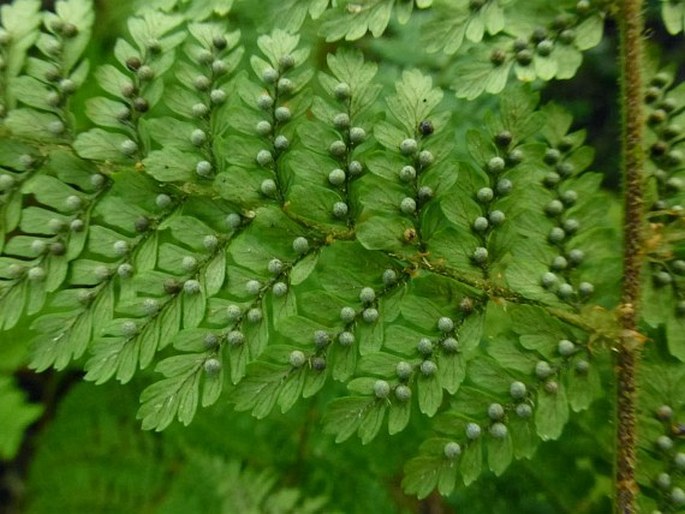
(297, 359)
(381, 389)
(367, 295)
(452, 450)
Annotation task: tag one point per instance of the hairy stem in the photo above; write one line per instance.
(630, 61)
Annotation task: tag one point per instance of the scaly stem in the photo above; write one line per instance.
(630, 61)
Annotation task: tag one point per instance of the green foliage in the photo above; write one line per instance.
(262, 219)
(15, 416)
(673, 13)
(130, 470)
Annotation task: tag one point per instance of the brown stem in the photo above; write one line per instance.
(630, 61)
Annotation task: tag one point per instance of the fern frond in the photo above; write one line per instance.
(276, 227)
(663, 288)
(352, 20)
(521, 38)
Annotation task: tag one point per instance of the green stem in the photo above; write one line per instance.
(631, 23)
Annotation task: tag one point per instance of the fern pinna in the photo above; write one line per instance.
(251, 218)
